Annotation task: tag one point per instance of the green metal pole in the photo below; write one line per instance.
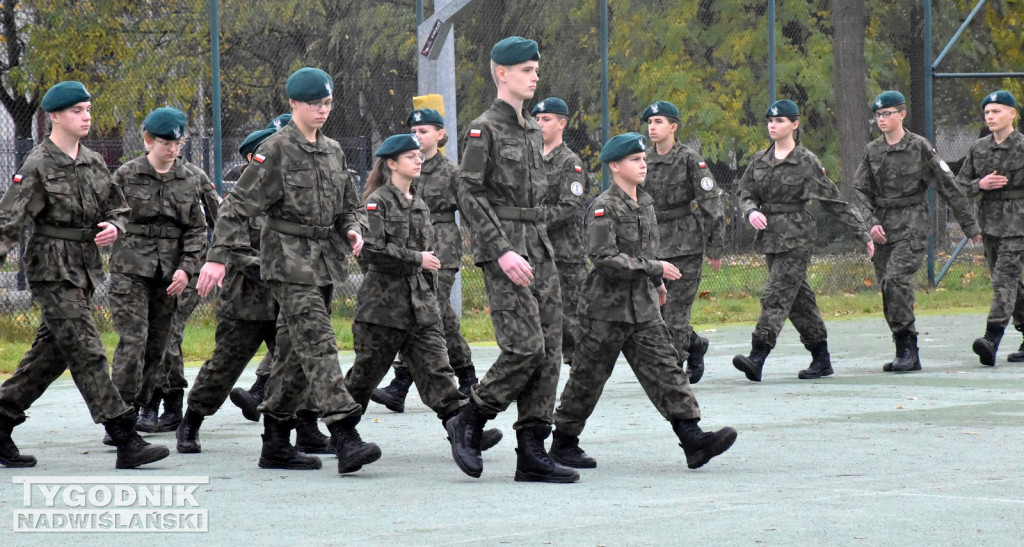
(419, 13)
(606, 179)
(218, 163)
(929, 132)
(772, 86)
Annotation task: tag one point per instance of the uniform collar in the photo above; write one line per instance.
(58, 155)
(521, 118)
(793, 158)
(641, 200)
(177, 171)
(555, 151)
(292, 132)
(654, 157)
(1014, 139)
(400, 198)
(431, 164)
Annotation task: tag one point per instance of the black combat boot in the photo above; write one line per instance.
(278, 453)
(1017, 356)
(898, 342)
(467, 379)
(695, 363)
(565, 449)
(534, 464)
(987, 345)
(171, 418)
(188, 433)
(147, 418)
(821, 364)
(751, 365)
(489, 438)
(465, 430)
(132, 451)
(249, 400)
(908, 359)
(352, 452)
(700, 446)
(308, 437)
(10, 456)
(393, 396)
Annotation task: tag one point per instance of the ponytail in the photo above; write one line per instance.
(379, 176)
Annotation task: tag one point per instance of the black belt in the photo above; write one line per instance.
(442, 217)
(69, 234)
(896, 203)
(672, 214)
(517, 213)
(296, 229)
(1003, 195)
(775, 208)
(159, 232)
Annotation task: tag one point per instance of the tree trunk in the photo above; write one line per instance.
(850, 89)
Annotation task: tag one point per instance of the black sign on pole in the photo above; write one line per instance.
(429, 44)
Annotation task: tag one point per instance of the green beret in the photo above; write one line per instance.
(782, 109)
(279, 122)
(1000, 97)
(425, 116)
(551, 105)
(308, 84)
(254, 140)
(887, 99)
(514, 50)
(622, 145)
(396, 144)
(64, 95)
(166, 123)
(661, 108)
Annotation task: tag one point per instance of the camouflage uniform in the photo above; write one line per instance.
(619, 314)
(65, 198)
(311, 204)
(166, 233)
(780, 189)
(502, 182)
(675, 180)
(396, 308)
(564, 204)
(889, 188)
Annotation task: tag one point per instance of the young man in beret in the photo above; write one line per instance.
(889, 188)
(994, 170)
(299, 180)
(64, 189)
(566, 198)
(619, 314)
(501, 189)
(677, 177)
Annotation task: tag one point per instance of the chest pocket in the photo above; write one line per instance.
(59, 194)
(141, 197)
(909, 168)
(627, 232)
(299, 175)
(511, 150)
(397, 230)
(679, 190)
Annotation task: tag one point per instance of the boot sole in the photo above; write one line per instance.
(475, 473)
(368, 456)
(814, 376)
(524, 476)
(704, 456)
(989, 360)
(156, 455)
(272, 464)
(739, 365)
(239, 400)
(16, 464)
(146, 428)
(325, 449)
(695, 374)
(1015, 358)
(188, 450)
(916, 367)
(167, 427)
(573, 464)
(388, 403)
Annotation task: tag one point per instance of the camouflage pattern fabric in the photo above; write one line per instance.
(896, 264)
(787, 294)
(171, 372)
(142, 312)
(678, 306)
(569, 189)
(459, 353)
(570, 280)
(1005, 259)
(438, 186)
(237, 341)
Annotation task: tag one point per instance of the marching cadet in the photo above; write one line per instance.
(774, 192)
(65, 190)
(890, 185)
(501, 188)
(437, 186)
(299, 179)
(619, 314)
(565, 200)
(678, 176)
(994, 170)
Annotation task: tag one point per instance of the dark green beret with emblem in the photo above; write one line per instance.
(64, 95)
(887, 99)
(551, 105)
(782, 109)
(166, 123)
(514, 50)
(254, 140)
(396, 144)
(279, 122)
(308, 84)
(425, 116)
(660, 108)
(623, 145)
(1000, 97)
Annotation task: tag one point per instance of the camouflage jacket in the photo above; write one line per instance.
(675, 180)
(52, 189)
(890, 188)
(243, 294)
(305, 189)
(502, 169)
(622, 239)
(781, 189)
(396, 291)
(437, 186)
(159, 202)
(1000, 212)
(564, 204)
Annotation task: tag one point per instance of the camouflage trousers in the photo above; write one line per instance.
(142, 312)
(528, 329)
(570, 278)
(1005, 259)
(896, 264)
(237, 341)
(678, 306)
(648, 350)
(67, 338)
(787, 294)
(171, 373)
(459, 354)
(424, 352)
(311, 362)
(267, 363)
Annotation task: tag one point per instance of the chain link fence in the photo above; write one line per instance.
(710, 58)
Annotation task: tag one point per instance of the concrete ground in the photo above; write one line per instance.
(860, 458)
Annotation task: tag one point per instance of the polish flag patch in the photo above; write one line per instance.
(475, 133)
(823, 171)
(934, 151)
(598, 212)
(577, 168)
(259, 158)
(702, 165)
(17, 178)
(371, 206)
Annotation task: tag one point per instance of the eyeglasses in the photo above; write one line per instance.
(317, 105)
(179, 144)
(884, 115)
(413, 156)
